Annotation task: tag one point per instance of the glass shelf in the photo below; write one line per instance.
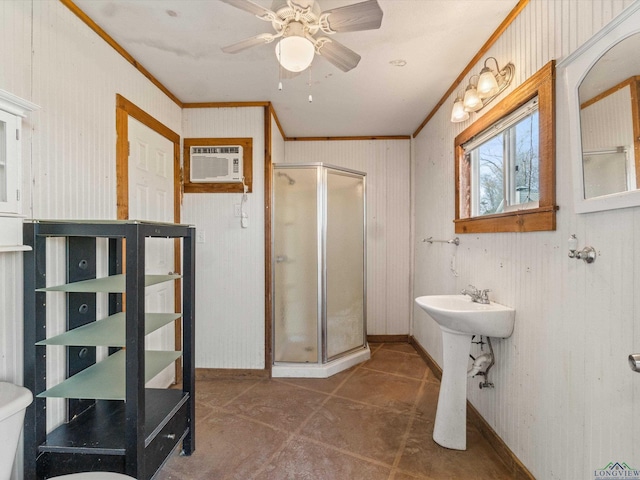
(112, 284)
(109, 222)
(108, 332)
(106, 380)
(15, 248)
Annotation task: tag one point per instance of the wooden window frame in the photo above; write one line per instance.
(543, 218)
(219, 187)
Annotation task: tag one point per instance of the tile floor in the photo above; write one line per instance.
(371, 422)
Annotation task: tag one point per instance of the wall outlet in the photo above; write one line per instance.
(200, 237)
(237, 211)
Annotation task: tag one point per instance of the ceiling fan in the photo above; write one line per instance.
(298, 22)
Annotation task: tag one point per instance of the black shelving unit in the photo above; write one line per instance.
(115, 423)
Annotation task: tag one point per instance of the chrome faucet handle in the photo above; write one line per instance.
(484, 295)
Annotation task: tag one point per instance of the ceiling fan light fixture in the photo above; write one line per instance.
(295, 53)
(296, 22)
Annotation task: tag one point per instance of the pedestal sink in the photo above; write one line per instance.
(460, 318)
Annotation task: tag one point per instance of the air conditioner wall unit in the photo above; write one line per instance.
(216, 163)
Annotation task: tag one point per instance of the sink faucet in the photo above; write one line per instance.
(478, 296)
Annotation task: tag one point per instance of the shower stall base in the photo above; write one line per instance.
(325, 370)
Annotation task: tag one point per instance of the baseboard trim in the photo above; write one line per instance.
(504, 452)
(501, 448)
(388, 338)
(433, 366)
(217, 373)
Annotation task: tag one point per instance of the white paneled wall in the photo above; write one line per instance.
(277, 143)
(76, 76)
(51, 58)
(565, 400)
(230, 288)
(387, 165)
(10, 335)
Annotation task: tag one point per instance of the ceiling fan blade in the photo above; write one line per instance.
(248, 43)
(342, 57)
(251, 7)
(359, 16)
(295, 5)
(302, 4)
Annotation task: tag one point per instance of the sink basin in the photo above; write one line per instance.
(460, 318)
(460, 314)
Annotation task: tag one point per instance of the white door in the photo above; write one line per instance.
(151, 198)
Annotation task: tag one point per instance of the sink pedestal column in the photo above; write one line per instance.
(450, 429)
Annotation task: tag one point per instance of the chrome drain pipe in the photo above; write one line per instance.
(485, 374)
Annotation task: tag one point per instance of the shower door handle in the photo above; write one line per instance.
(281, 258)
(634, 362)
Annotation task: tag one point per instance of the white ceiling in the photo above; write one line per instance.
(179, 41)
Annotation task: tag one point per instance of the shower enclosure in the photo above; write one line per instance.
(319, 272)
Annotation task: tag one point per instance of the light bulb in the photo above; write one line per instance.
(295, 53)
(472, 102)
(458, 113)
(487, 83)
(573, 243)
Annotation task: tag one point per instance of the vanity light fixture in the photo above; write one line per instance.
(588, 254)
(478, 95)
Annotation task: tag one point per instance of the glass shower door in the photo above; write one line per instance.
(295, 247)
(344, 260)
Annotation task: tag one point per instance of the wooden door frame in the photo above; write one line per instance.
(124, 110)
(268, 272)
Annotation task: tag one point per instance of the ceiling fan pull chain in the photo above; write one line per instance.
(279, 71)
(310, 96)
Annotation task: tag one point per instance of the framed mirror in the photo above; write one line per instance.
(603, 99)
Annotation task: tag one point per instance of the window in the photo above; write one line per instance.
(505, 163)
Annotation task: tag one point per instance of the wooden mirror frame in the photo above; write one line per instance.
(542, 218)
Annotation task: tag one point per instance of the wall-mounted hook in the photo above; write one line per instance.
(588, 254)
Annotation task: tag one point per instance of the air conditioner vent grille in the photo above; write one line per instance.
(221, 163)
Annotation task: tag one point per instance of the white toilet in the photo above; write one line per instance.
(13, 402)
